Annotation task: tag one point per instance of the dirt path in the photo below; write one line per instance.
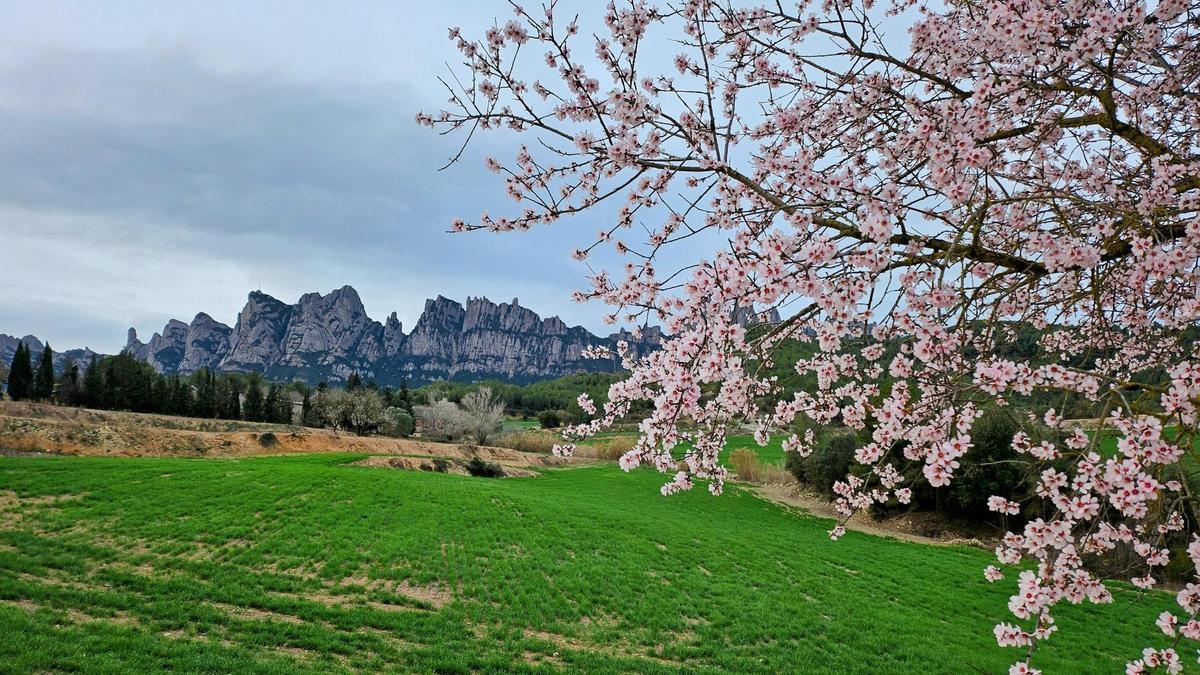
(904, 527)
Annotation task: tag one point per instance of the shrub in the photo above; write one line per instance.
(991, 469)
(830, 461)
(549, 419)
(268, 440)
(478, 467)
(398, 423)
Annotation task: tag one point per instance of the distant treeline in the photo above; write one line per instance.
(124, 382)
(560, 395)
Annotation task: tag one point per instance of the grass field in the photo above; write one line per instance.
(518, 424)
(279, 564)
(771, 453)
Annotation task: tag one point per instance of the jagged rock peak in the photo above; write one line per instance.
(328, 337)
(202, 318)
(482, 313)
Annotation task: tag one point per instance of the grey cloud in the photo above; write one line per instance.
(297, 185)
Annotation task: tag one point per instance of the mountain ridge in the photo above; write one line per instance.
(328, 337)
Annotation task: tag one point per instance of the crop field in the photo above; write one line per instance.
(280, 564)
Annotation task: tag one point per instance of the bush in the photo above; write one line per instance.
(550, 419)
(268, 440)
(830, 461)
(398, 423)
(478, 467)
(990, 469)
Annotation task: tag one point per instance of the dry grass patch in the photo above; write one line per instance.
(609, 449)
(255, 613)
(750, 468)
(21, 603)
(536, 442)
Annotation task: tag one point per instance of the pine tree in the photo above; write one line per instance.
(233, 402)
(253, 410)
(206, 393)
(404, 398)
(66, 388)
(353, 382)
(43, 381)
(271, 405)
(93, 384)
(20, 374)
(285, 415)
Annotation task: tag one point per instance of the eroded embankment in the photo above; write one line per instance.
(26, 427)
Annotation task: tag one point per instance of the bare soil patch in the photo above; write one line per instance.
(455, 466)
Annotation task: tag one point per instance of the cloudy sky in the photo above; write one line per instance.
(158, 160)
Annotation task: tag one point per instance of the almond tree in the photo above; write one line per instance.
(910, 185)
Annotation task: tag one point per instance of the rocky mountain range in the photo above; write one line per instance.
(328, 337)
(8, 348)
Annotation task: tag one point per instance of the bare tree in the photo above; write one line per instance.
(440, 419)
(484, 414)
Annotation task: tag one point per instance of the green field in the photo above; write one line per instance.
(771, 453)
(518, 424)
(279, 564)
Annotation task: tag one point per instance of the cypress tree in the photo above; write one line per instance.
(353, 382)
(43, 381)
(285, 407)
(20, 374)
(307, 418)
(181, 395)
